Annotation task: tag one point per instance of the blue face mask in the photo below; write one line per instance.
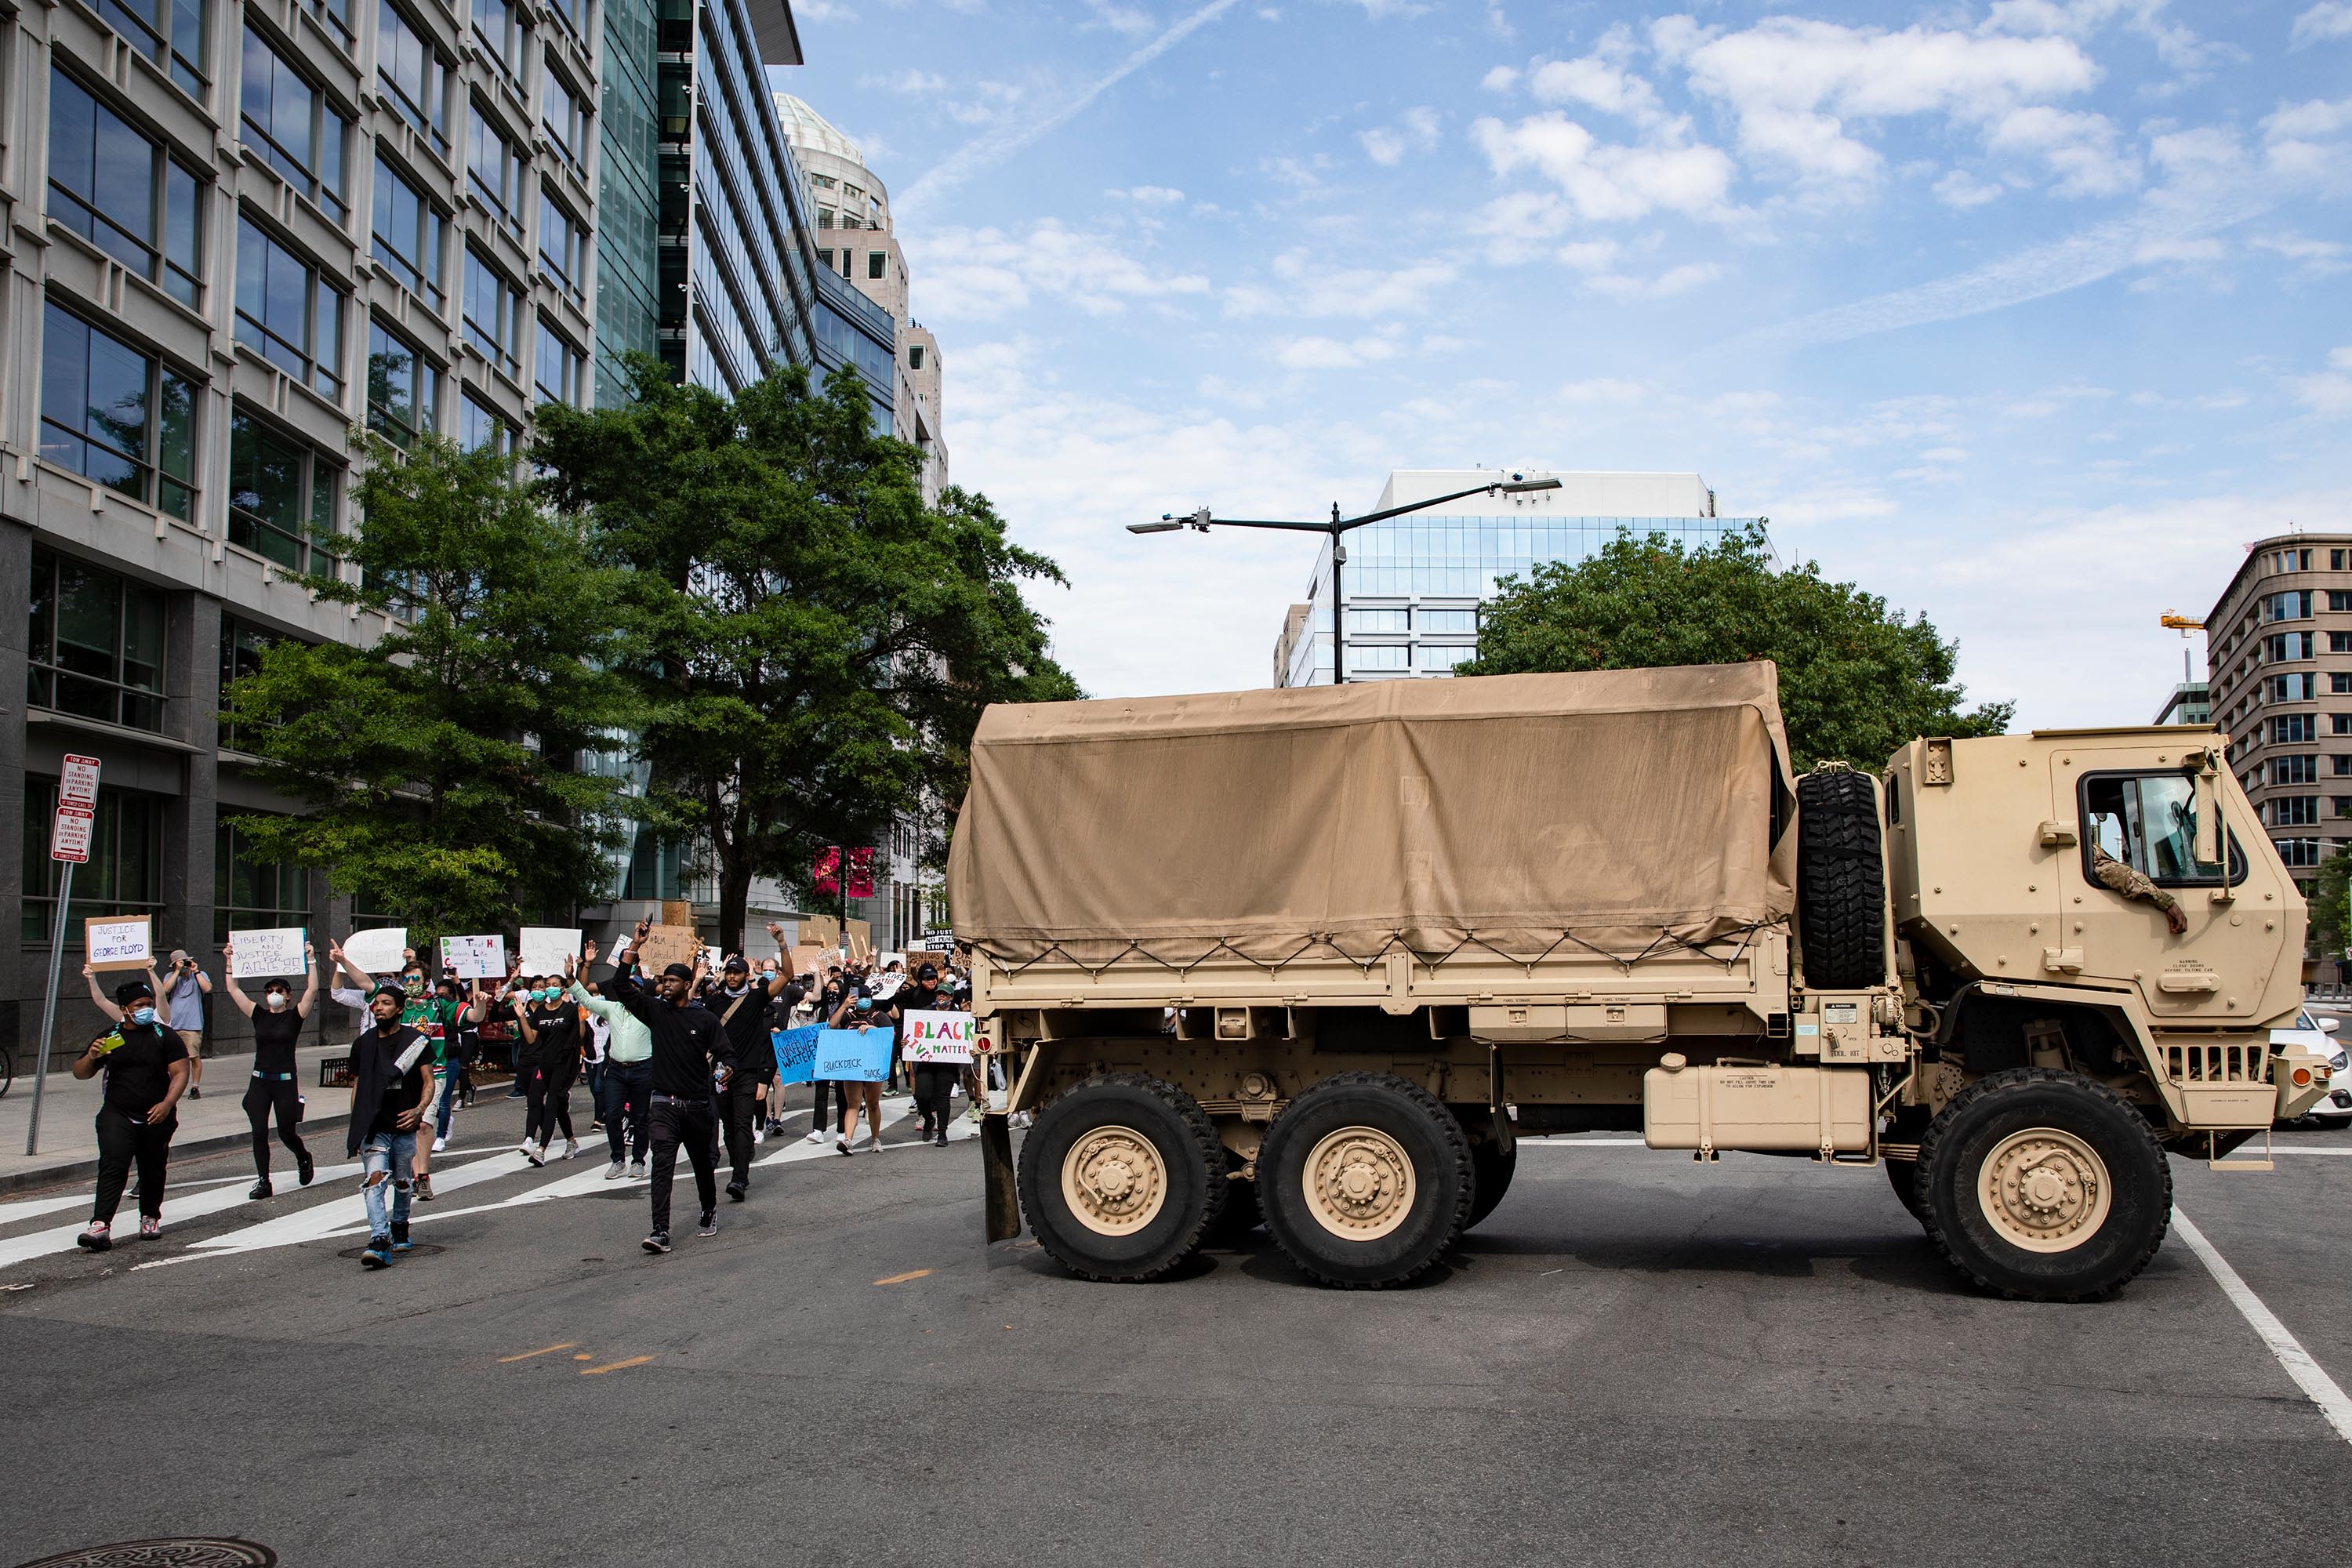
(142, 1014)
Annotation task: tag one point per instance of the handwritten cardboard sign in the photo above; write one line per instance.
(474, 957)
(810, 961)
(544, 948)
(377, 949)
(666, 945)
(119, 943)
(796, 1053)
(937, 1037)
(857, 939)
(262, 954)
(849, 1056)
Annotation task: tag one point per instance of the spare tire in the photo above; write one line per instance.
(1841, 881)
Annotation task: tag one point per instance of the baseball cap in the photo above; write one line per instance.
(736, 964)
(929, 971)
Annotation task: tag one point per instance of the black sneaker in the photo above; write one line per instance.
(261, 1189)
(943, 1139)
(657, 1242)
(735, 1190)
(378, 1254)
(195, 1094)
(709, 1226)
(304, 1164)
(400, 1242)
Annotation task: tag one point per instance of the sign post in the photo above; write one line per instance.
(69, 836)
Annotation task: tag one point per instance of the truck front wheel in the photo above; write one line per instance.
(2044, 1185)
(1365, 1180)
(1122, 1177)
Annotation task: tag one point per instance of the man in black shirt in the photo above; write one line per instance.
(146, 1067)
(934, 1083)
(692, 1057)
(277, 1025)
(391, 1082)
(742, 1003)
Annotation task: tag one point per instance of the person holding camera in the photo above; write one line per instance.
(277, 1027)
(146, 1067)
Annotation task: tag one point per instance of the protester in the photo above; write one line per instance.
(391, 1087)
(549, 1022)
(430, 1012)
(275, 1089)
(934, 1083)
(828, 1003)
(692, 1057)
(626, 1088)
(184, 989)
(787, 998)
(858, 1012)
(146, 1067)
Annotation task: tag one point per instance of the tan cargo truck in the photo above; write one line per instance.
(1319, 958)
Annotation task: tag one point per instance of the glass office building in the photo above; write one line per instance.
(852, 331)
(1412, 585)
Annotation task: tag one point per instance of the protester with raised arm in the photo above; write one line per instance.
(691, 1058)
(146, 1067)
(273, 1088)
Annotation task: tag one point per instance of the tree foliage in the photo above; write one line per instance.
(2331, 904)
(1857, 680)
(812, 644)
(437, 767)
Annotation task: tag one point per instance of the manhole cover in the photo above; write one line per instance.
(189, 1551)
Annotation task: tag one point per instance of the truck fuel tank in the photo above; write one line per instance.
(1728, 1105)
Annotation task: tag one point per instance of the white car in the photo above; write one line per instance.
(2334, 1107)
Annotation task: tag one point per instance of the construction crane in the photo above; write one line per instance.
(2180, 623)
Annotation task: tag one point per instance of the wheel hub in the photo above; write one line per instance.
(2044, 1190)
(1358, 1182)
(1113, 1181)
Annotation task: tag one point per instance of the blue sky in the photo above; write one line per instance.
(2027, 315)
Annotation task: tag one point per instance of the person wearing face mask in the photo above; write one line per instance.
(277, 1026)
(391, 1086)
(549, 1022)
(146, 1067)
(433, 1013)
(859, 1012)
(933, 1081)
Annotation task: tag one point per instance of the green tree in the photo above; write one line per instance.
(1857, 680)
(814, 643)
(438, 767)
(2331, 905)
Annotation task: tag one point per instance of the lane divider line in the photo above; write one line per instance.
(902, 1278)
(548, 1350)
(2308, 1375)
(614, 1367)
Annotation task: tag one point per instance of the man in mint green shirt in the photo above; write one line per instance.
(626, 1089)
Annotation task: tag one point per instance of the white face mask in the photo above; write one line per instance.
(277, 1000)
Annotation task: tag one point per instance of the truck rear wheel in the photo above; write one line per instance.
(1365, 1180)
(1841, 881)
(2044, 1185)
(1122, 1177)
(1492, 1166)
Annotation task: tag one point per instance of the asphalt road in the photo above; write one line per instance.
(1635, 1359)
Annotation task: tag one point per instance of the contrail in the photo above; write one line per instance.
(979, 154)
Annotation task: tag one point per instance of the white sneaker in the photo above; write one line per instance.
(439, 1144)
(816, 1137)
(572, 1148)
(613, 1172)
(526, 1148)
(1019, 1118)
(874, 1143)
(757, 1136)
(636, 1167)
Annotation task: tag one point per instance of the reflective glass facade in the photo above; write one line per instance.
(628, 210)
(852, 331)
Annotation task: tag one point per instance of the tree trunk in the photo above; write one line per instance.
(734, 898)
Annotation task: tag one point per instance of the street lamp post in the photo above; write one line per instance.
(1336, 529)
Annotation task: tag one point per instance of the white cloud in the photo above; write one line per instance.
(1502, 78)
(2329, 19)
(1309, 288)
(1148, 195)
(2329, 393)
(2306, 121)
(2317, 258)
(1128, 19)
(2079, 148)
(1597, 84)
(1331, 354)
(981, 274)
(1674, 281)
(912, 80)
(1603, 390)
(1963, 190)
(1414, 131)
(1608, 182)
(1589, 255)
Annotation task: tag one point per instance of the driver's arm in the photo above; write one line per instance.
(2116, 877)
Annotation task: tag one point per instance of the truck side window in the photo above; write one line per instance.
(2148, 821)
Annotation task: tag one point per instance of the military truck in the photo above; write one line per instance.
(1320, 958)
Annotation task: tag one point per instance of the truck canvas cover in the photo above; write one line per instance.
(1623, 810)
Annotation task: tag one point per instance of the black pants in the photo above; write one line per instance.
(627, 1094)
(744, 1108)
(121, 1141)
(827, 1088)
(933, 1084)
(689, 1124)
(547, 1103)
(284, 1095)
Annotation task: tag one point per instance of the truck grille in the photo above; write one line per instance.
(2218, 1063)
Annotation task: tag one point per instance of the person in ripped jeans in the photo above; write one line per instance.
(390, 1086)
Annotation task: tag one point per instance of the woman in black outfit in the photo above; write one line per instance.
(277, 1026)
(549, 1022)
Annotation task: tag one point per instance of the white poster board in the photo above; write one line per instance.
(377, 951)
(544, 948)
(474, 957)
(712, 958)
(118, 945)
(262, 954)
(937, 1037)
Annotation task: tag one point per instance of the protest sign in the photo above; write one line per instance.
(937, 1037)
(544, 948)
(810, 960)
(796, 1053)
(666, 945)
(712, 957)
(853, 1056)
(474, 957)
(119, 943)
(261, 954)
(820, 930)
(376, 951)
(887, 987)
(857, 940)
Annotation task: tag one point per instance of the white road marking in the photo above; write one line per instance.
(2339, 1152)
(23, 1209)
(39, 1243)
(2307, 1373)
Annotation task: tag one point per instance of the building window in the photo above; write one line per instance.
(1389, 655)
(494, 313)
(404, 387)
(563, 245)
(169, 31)
(97, 644)
(2298, 851)
(2281, 647)
(1442, 655)
(2297, 770)
(2337, 723)
(415, 78)
(117, 188)
(2286, 607)
(295, 129)
(824, 220)
(407, 230)
(1377, 620)
(572, 13)
(2339, 767)
(2295, 810)
(2336, 561)
(241, 647)
(494, 169)
(253, 894)
(2294, 687)
(566, 122)
(877, 263)
(2296, 727)
(2339, 642)
(479, 425)
(560, 367)
(2344, 804)
(281, 497)
(914, 356)
(1446, 620)
(287, 312)
(124, 875)
(824, 260)
(501, 32)
(116, 415)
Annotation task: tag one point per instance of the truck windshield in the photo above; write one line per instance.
(2148, 821)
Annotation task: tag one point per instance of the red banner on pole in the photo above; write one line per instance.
(860, 874)
(825, 874)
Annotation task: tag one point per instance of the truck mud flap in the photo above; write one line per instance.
(1003, 1199)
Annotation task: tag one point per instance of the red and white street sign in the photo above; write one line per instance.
(77, 781)
(69, 838)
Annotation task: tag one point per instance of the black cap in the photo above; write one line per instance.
(735, 964)
(124, 993)
(678, 971)
(929, 971)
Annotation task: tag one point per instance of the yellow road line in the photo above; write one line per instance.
(614, 1365)
(548, 1350)
(902, 1278)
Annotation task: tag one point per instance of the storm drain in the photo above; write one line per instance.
(181, 1551)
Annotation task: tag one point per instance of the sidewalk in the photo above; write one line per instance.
(69, 1109)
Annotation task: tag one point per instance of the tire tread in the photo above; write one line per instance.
(1209, 1146)
(1841, 881)
(1457, 1144)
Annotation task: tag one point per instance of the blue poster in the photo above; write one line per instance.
(852, 1057)
(796, 1054)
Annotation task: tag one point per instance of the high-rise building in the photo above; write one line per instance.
(241, 229)
(2278, 651)
(2191, 702)
(1412, 585)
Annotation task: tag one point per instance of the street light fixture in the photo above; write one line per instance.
(1170, 522)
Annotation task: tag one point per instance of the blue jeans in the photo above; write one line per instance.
(447, 1077)
(390, 1155)
(625, 1097)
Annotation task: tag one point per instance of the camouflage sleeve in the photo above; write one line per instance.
(2119, 877)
